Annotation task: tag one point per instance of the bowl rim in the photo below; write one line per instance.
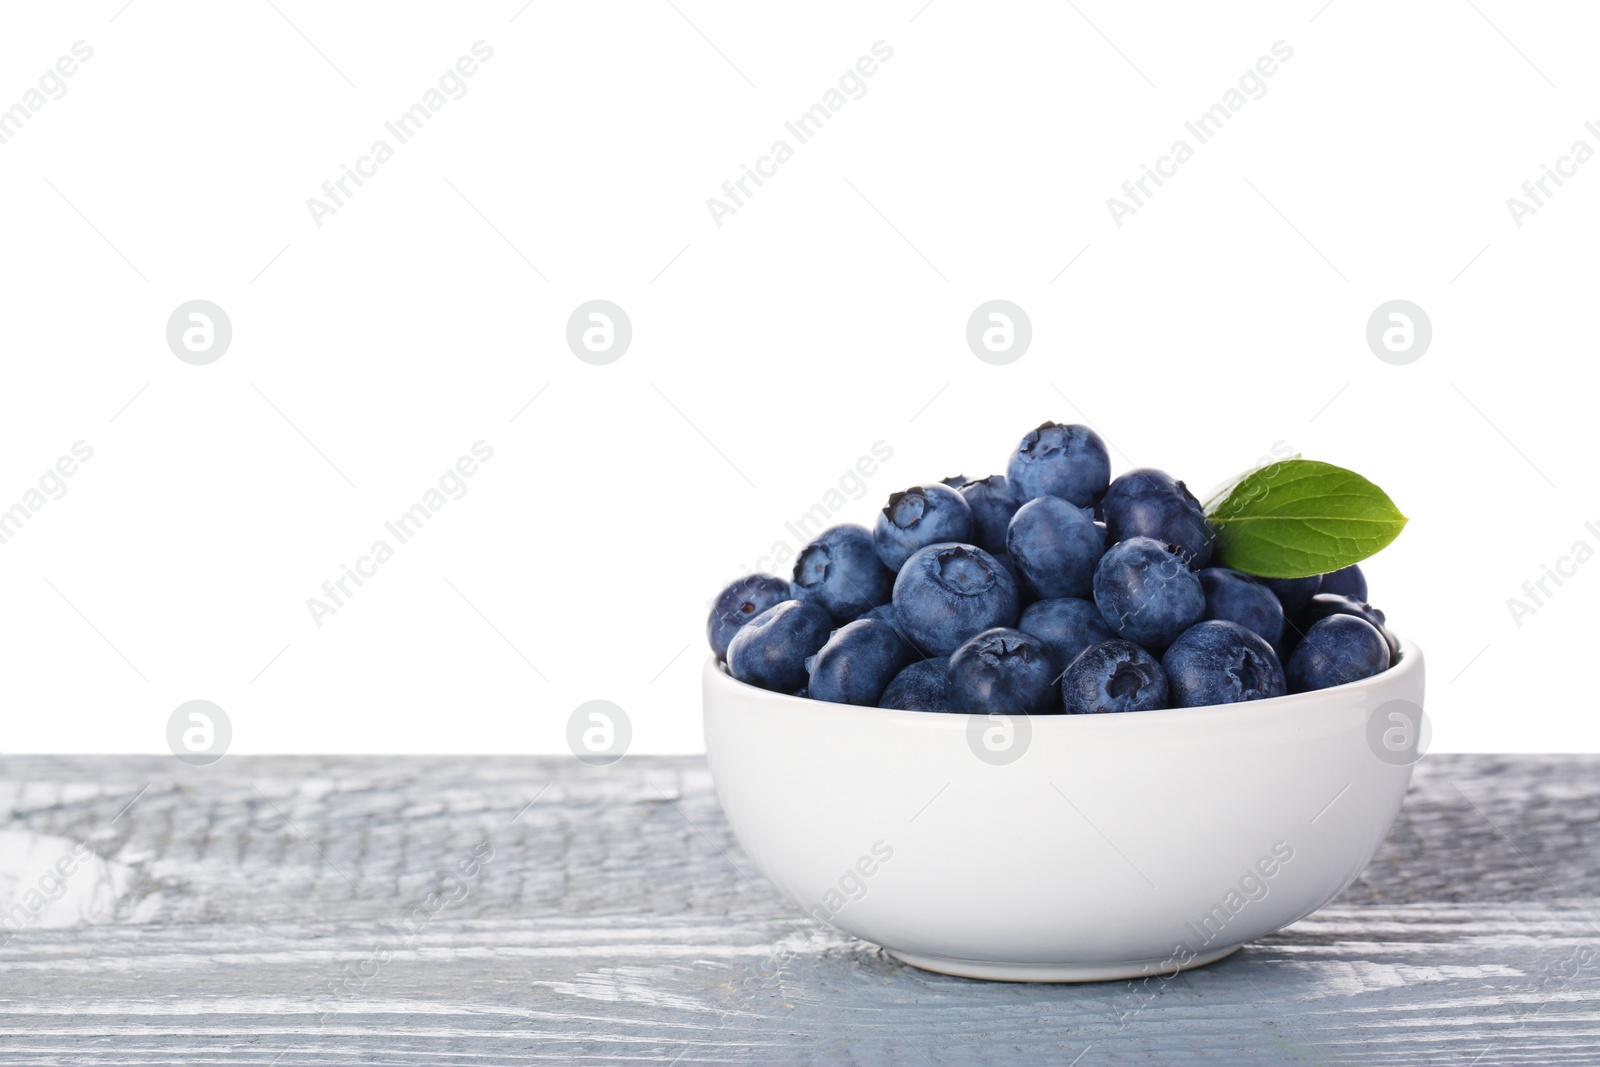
(1409, 664)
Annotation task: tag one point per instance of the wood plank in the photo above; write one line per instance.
(278, 910)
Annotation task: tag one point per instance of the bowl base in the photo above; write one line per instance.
(1054, 972)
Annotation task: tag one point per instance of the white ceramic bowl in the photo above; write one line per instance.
(1113, 846)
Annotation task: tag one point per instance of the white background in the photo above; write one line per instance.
(1226, 317)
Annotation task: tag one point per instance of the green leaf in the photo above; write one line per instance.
(1221, 493)
(1299, 517)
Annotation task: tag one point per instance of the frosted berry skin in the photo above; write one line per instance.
(1348, 582)
(1068, 461)
(1218, 662)
(884, 612)
(1152, 503)
(841, 573)
(947, 594)
(1024, 594)
(857, 663)
(771, 650)
(993, 502)
(1293, 593)
(1066, 625)
(922, 686)
(1239, 598)
(918, 517)
(1336, 650)
(1113, 677)
(1003, 671)
(1146, 592)
(1055, 546)
(740, 601)
(1325, 604)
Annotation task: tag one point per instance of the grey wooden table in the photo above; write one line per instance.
(499, 910)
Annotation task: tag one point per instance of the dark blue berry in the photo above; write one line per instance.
(1056, 547)
(1240, 598)
(921, 516)
(841, 572)
(1218, 662)
(738, 603)
(993, 503)
(857, 663)
(1325, 604)
(923, 686)
(771, 650)
(1113, 676)
(1293, 593)
(1070, 462)
(946, 594)
(1348, 582)
(1003, 671)
(1066, 626)
(1146, 592)
(1151, 503)
(1336, 650)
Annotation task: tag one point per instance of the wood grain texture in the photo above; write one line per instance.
(495, 910)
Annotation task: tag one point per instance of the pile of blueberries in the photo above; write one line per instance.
(1051, 589)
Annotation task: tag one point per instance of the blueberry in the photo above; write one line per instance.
(1056, 546)
(859, 660)
(945, 594)
(1024, 594)
(1151, 503)
(1055, 460)
(1003, 671)
(993, 503)
(771, 649)
(1220, 662)
(1146, 592)
(1066, 626)
(1337, 649)
(738, 603)
(1113, 676)
(1348, 582)
(1293, 593)
(923, 686)
(884, 612)
(1240, 598)
(921, 516)
(841, 572)
(1325, 604)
